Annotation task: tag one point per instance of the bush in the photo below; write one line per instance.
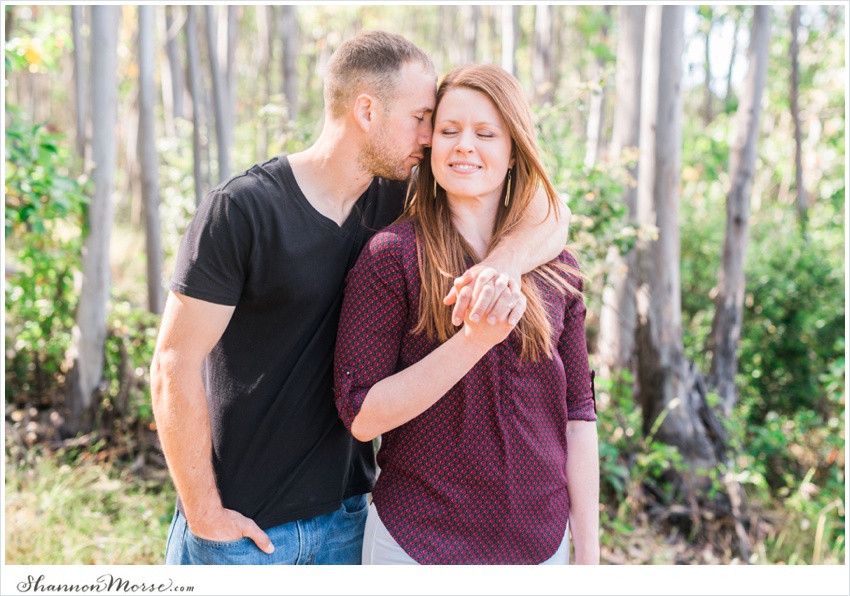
(43, 223)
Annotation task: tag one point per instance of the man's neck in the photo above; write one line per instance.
(329, 175)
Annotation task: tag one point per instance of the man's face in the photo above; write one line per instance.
(405, 129)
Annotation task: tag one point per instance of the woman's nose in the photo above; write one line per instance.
(464, 143)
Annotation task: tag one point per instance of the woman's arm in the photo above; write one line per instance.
(401, 397)
(372, 396)
(582, 442)
(583, 488)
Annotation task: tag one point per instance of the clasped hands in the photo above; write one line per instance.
(482, 294)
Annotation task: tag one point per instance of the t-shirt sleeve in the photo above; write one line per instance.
(213, 259)
(572, 347)
(372, 324)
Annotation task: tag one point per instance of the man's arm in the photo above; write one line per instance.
(540, 237)
(583, 487)
(190, 329)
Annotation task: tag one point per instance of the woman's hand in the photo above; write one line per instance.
(487, 334)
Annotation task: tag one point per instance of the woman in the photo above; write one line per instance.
(474, 466)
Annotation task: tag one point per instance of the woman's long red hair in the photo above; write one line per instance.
(442, 251)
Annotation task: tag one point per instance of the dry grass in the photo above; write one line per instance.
(89, 513)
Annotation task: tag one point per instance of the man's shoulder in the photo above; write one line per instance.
(258, 176)
(258, 186)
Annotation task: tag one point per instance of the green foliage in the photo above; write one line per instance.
(42, 40)
(130, 345)
(793, 468)
(594, 194)
(630, 464)
(44, 218)
(795, 311)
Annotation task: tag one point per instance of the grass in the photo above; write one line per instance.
(75, 507)
(80, 511)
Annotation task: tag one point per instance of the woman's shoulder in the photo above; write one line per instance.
(397, 236)
(570, 269)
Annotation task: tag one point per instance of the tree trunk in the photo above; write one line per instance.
(289, 36)
(89, 334)
(196, 90)
(173, 87)
(541, 66)
(707, 108)
(263, 53)
(596, 111)
(9, 22)
(227, 44)
(726, 326)
(80, 81)
(673, 406)
(558, 23)
(221, 101)
(802, 199)
(471, 16)
(509, 35)
(618, 318)
(728, 99)
(148, 158)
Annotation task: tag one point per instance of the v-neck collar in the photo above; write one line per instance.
(350, 223)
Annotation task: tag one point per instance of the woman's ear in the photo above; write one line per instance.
(364, 111)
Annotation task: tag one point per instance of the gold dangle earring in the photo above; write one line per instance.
(508, 190)
(435, 188)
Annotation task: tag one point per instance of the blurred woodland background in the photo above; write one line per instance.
(700, 148)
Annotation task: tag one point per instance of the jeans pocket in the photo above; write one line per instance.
(221, 552)
(355, 506)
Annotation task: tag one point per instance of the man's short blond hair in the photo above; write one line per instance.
(370, 62)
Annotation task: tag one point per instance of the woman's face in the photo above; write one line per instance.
(471, 146)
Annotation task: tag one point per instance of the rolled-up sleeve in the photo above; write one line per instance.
(372, 323)
(572, 347)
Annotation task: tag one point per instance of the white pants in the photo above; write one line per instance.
(380, 548)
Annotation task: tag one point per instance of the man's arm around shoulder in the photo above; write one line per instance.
(539, 238)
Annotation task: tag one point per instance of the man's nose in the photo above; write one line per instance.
(426, 131)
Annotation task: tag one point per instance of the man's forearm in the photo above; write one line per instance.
(183, 424)
(538, 238)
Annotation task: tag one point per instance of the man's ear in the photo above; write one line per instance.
(364, 111)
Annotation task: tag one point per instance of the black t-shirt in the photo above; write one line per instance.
(280, 452)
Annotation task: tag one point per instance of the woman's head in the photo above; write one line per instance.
(443, 252)
(502, 94)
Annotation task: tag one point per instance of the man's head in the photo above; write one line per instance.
(370, 62)
(387, 84)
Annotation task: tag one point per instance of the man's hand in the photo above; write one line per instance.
(482, 292)
(226, 525)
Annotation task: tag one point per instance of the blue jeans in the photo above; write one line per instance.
(331, 539)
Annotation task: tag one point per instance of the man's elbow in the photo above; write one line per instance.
(161, 369)
(360, 430)
(564, 217)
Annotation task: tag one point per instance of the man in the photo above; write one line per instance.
(242, 375)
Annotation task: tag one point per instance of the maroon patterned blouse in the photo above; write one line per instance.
(479, 477)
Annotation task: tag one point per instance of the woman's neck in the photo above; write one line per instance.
(475, 220)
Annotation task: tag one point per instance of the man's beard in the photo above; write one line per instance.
(377, 159)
